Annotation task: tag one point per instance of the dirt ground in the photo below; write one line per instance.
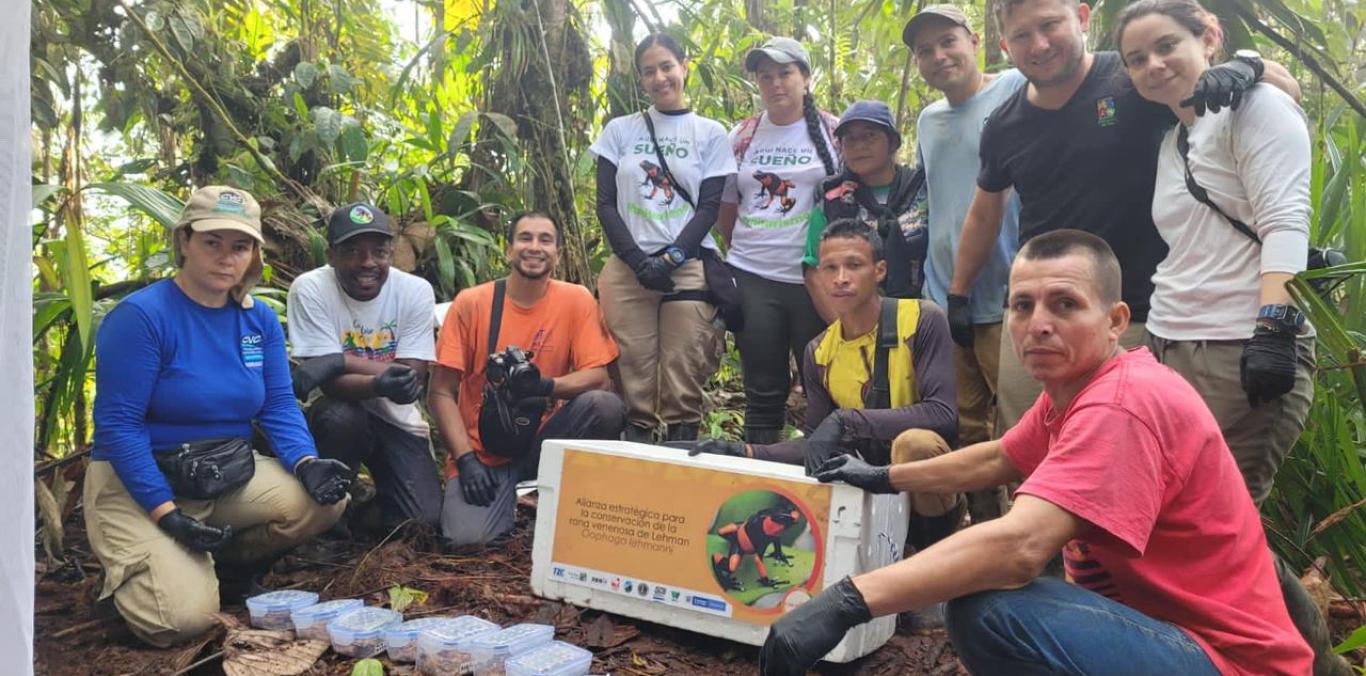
(76, 636)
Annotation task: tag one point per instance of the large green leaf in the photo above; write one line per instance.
(163, 207)
(328, 124)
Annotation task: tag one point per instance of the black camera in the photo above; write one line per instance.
(508, 365)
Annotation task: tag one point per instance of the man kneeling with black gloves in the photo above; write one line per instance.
(519, 360)
(879, 381)
(363, 333)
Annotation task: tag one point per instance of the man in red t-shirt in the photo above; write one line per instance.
(1124, 469)
(560, 324)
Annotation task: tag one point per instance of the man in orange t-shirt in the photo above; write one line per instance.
(561, 325)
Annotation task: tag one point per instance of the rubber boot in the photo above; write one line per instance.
(638, 434)
(681, 432)
(927, 530)
(239, 581)
(763, 435)
(1307, 618)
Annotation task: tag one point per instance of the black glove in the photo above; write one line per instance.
(314, 371)
(656, 274)
(1267, 367)
(803, 635)
(960, 320)
(719, 447)
(1224, 84)
(326, 479)
(528, 382)
(193, 533)
(478, 482)
(856, 472)
(398, 384)
(824, 442)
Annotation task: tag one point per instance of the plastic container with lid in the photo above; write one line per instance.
(311, 622)
(491, 650)
(360, 632)
(556, 658)
(401, 641)
(443, 648)
(271, 610)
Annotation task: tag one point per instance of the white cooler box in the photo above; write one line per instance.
(717, 545)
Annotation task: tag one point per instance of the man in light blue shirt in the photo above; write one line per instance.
(948, 134)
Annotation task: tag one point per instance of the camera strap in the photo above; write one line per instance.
(500, 290)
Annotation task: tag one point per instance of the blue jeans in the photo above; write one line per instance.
(1052, 627)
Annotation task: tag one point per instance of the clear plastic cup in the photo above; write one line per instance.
(271, 610)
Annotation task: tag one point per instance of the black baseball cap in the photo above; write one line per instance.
(357, 218)
(873, 112)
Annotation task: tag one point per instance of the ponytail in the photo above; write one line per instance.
(813, 129)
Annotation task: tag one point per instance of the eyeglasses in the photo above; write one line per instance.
(352, 253)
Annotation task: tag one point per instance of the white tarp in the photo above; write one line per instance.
(16, 331)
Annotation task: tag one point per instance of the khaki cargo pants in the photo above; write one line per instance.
(917, 444)
(668, 349)
(165, 591)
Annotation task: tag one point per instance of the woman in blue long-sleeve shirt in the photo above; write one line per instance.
(187, 360)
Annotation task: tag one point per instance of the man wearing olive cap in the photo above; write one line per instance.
(363, 332)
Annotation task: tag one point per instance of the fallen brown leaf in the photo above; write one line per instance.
(255, 652)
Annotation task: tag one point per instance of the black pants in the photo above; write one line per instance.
(405, 474)
(592, 415)
(779, 319)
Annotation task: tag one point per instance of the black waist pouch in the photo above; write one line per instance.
(722, 290)
(204, 470)
(507, 425)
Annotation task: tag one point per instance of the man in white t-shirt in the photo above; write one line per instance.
(364, 334)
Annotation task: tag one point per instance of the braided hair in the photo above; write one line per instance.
(813, 129)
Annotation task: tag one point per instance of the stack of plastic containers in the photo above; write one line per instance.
(271, 610)
(556, 658)
(445, 648)
(311, 622)
(490, 651)
(360, 632)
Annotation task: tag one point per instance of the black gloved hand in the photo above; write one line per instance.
(1223, 85)
(855, 472)
(719, 447)
(824, 442)
(193, 533)
(314, 371)
(528, 382)
(803, 635)
(960, 320)
(398, 384)
(656, 274)
(478, 482)
(325, 479)
(1267, 367)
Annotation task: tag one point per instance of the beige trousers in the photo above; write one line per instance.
(917, 444)
(165, 591)
(1260, 437)
(976, 368)
(668, 349)
(1016, 391)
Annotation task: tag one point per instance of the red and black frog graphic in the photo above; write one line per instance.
(773, 186)
(753, 537)
(657, 180)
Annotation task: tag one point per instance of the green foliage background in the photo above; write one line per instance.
(474, 108)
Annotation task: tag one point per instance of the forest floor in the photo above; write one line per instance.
(75, 635)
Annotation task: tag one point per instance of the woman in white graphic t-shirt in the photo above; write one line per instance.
(661, 173)
(783, 152)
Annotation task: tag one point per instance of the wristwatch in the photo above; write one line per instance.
(675, 255)
(1280, 317)
(1251, 58)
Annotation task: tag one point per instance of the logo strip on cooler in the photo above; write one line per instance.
(643, 590)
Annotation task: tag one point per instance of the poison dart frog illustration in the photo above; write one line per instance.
(773, 187)
(657, 180)
(753, 537)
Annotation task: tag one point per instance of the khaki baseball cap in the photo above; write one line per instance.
(220, 207)
(781, 50)
(930, 14)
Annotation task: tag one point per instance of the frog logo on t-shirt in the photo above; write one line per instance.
(771, 187)
(253, 355)
(656, 181)
(1105, 111)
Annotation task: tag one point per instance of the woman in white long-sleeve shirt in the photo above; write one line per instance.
(1221, 315)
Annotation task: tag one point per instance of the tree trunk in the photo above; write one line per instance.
(757, 15)
(991, 35)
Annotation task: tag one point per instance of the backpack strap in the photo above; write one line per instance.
(500, 289)
(664, 166)
(748, 128)
(880, 395)
(1183, 146)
